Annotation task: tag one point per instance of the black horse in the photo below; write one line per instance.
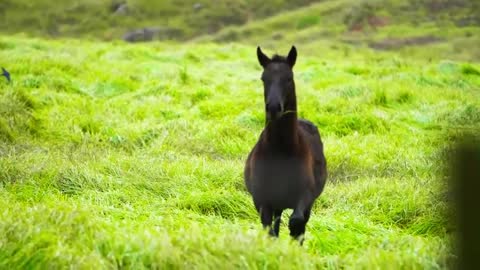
(286, 169)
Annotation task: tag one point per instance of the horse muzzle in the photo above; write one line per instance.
(274, 110)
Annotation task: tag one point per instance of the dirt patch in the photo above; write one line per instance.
(397, 43)
(372, 22)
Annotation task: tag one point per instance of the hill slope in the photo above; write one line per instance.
(111, 19)
(450, 28)
(116, 155)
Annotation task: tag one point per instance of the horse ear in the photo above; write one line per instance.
(292, 56)
(262, 58)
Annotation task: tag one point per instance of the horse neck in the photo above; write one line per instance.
(283, 133)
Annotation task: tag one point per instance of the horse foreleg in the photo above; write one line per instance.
(299, 219)
(266, 216)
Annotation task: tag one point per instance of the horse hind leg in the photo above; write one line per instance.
(277, 215)
(307, 218)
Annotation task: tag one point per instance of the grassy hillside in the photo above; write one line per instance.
(450, 28)
(111, 19)
(131, 156)
(380, 24)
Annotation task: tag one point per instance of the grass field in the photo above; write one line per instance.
(115, 155)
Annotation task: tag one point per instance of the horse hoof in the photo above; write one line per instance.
(272, 233)
(296, 226)
(300, 239)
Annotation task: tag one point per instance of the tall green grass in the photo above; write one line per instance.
(122, 156)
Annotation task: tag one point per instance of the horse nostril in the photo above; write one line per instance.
(273, 108)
